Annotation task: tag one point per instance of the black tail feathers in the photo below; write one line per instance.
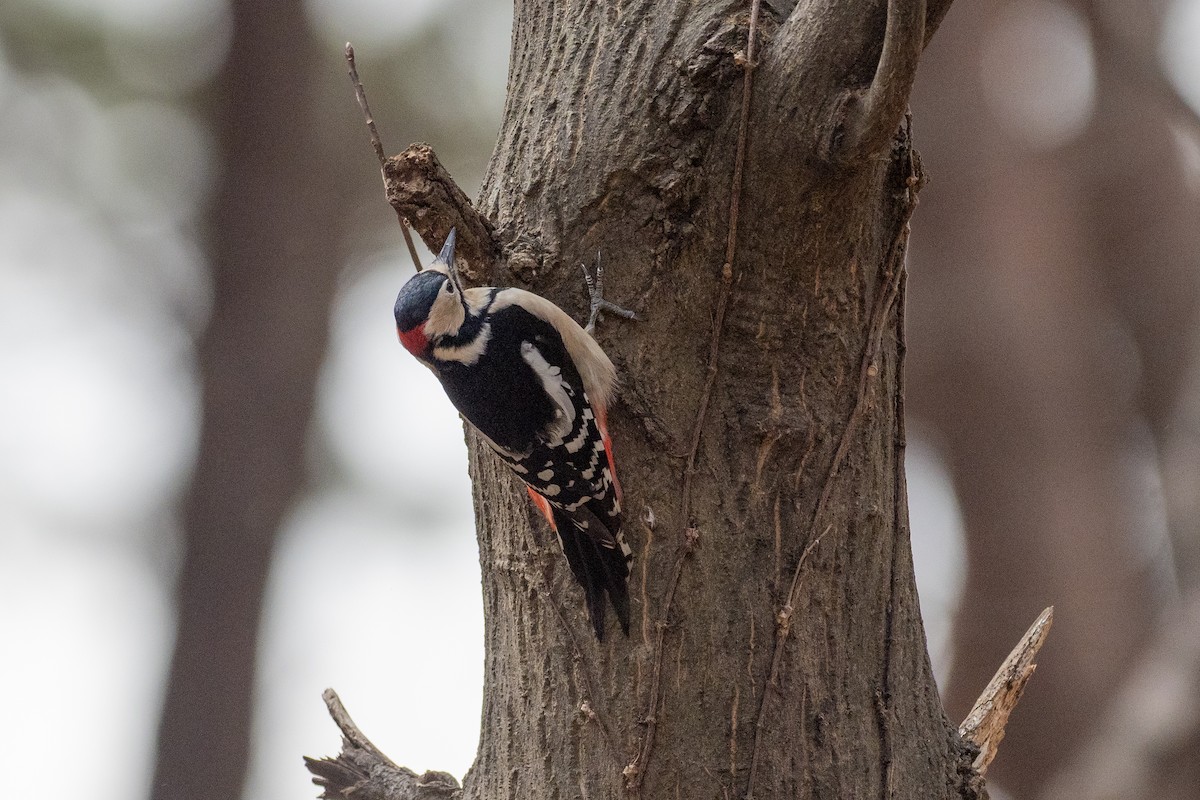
(598, 562)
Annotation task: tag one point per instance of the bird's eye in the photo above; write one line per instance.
(449, 287)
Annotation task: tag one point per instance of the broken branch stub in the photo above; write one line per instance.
(362, 772)
(984, 726)
(422, 191)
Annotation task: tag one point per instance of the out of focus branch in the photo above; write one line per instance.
(1153, 719)
(984, 726)
(362, 772)
(1137, 61)
(935, 11)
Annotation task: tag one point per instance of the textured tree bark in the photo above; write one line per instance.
(620, 135)
(777, 647)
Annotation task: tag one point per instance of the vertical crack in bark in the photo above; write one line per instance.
(635, 772)
(892, 280)
(777, 571)
(899, 523)
(648, 524)
(733, 730)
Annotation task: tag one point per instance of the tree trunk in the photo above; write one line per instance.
(777, 648)
(621, 135)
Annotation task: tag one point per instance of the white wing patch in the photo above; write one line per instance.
(559, 391)
(597, 372)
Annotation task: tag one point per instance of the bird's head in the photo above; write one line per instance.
(431, 304)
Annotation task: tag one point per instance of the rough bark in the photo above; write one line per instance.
(777, 647)
(273, 252)
(620, 135)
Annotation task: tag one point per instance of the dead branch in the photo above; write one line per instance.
(984, 726)
(422, 191)
(362, 772)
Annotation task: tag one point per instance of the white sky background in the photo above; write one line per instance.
(102, 291)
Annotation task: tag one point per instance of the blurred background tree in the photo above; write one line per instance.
(205, 413)
(1056, 272)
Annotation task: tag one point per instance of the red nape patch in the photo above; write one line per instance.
(415, 341)
(543, 505)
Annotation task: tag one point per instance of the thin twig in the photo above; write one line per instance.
(408, 240)
(361, 94)
(748, 63)
(585, 705)
(635, 773)
(377, 144)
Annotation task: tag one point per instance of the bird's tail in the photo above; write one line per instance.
(598, 561)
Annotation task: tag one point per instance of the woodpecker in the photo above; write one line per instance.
(536, 387)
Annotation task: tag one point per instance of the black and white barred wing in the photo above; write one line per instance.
(570, 464)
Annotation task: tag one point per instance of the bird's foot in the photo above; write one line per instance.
(595, 287)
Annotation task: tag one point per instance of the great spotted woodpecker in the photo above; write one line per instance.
(536, 386)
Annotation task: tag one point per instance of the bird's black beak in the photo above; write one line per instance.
(447, 255)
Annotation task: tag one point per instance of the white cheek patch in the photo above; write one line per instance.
(557, 389)
(446, 316)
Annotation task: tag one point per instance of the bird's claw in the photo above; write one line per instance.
(597, 303)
